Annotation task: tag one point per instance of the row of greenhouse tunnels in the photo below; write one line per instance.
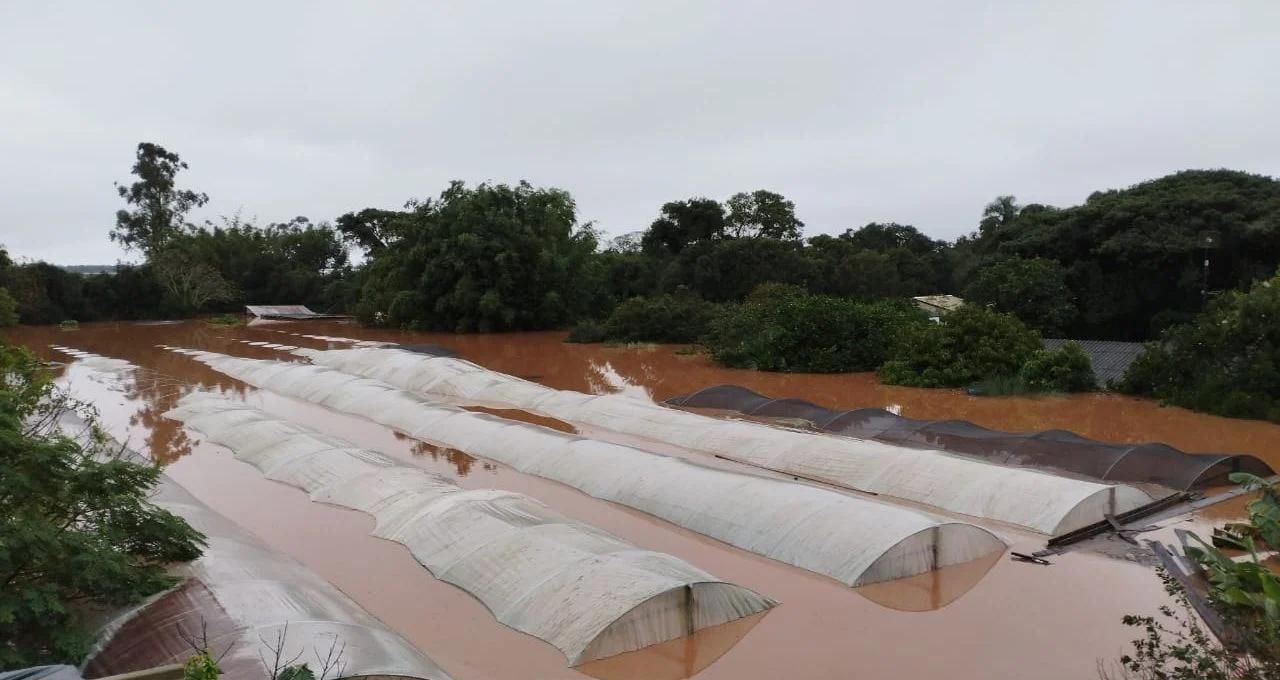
(392, 504)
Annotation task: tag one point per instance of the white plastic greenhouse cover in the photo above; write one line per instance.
(853, 540)
(247, 595)
(584, 591)
(1032, 499)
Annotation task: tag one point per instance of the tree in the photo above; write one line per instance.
(998, 216)
(1226, 361)
(160, 207)
(628, 243)
(1135, 257)
(372, 229)
(783, 328)
(294, 261)
(970, 344)
(683, 223)
(920, 264)
(1032, 289)
(489, 258)
(78, 530)
(8, 309)
(727, 270)
(1065, 369)
(762, 214)
(190, 283)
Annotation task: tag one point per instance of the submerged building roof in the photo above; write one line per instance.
(1111, 358)
(288, 312)
(851, 539)
(1028, 498)
(584, 591)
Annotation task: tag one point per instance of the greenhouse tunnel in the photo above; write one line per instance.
(240, 597)
(582, 590)
(854, 540)
(1032, 499)
(1053, 450)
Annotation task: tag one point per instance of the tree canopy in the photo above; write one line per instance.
(1225, 361)
(1032, 289)
(490, 258)
(159, 207)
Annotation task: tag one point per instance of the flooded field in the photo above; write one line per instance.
(991, 618)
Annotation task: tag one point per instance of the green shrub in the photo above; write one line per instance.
(969, 345)
(8, 309)
(586, 332)
(1065, 369)
(1227, 361)
(782, 328)
(224, 320)
(680, 318)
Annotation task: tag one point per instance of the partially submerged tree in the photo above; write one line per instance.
(491, 258)
(77, 529)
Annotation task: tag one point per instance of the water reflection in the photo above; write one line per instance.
(930, 590)
(675, 659)
(462, 463)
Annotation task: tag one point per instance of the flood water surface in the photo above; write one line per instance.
(994, 618)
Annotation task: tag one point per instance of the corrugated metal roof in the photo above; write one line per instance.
(1111, 358)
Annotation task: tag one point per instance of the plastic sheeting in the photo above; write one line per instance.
(853, 540)
(584, 591)
(1031, 499)
(1055, 450)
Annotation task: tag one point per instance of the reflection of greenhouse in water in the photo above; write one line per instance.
(1052, 450)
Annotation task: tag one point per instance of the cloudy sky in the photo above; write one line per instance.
(914, 112)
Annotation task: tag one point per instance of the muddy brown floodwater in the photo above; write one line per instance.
(990, 619)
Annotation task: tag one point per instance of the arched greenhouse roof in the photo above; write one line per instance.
(584, 591)
(1053, 450)
(1028, 498)
(851, 539)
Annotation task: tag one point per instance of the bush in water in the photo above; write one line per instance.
(782, 328)
(1065, 369)
(968, 345)
(682, 318)
(586, 332)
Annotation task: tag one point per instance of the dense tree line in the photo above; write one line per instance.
(1125, 264)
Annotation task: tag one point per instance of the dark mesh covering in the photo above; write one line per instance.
(1053, 450)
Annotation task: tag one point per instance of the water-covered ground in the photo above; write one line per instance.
(989, 619)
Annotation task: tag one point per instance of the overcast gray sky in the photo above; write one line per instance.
(914, 112)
